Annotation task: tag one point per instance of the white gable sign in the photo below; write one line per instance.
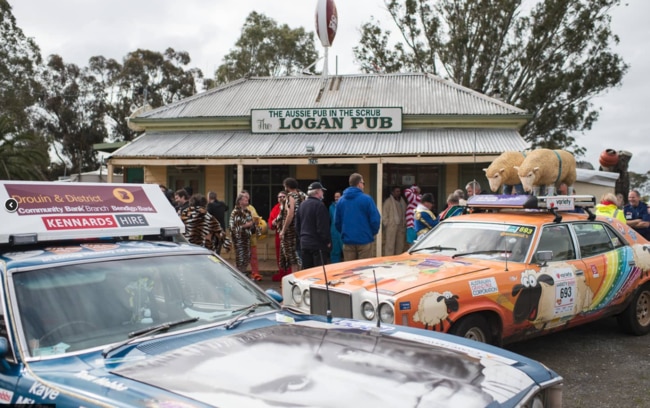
(326, 120)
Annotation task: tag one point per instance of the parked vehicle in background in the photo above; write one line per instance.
(517, 267)
(105, 305)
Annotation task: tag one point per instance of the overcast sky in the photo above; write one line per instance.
(80, 29)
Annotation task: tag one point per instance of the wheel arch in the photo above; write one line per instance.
(493, 319)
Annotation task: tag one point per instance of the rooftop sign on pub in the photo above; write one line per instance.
(326, 120)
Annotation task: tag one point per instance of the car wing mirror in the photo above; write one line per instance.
(274, 295)
(543, 257)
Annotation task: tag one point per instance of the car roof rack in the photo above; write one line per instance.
(553, 204)
(56, 211)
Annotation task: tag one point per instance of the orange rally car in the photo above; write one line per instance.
(516, 266)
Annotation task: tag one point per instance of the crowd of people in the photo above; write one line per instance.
(308, 234)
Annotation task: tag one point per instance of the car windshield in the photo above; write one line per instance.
(75, 307)
(478, 240)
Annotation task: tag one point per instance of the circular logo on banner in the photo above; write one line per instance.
(11, 205)
(123, 195)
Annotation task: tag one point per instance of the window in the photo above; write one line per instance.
(596, 238)
(556, 238)
(263, 183)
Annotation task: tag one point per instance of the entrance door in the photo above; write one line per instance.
(334, 184)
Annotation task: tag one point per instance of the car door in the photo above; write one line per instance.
(609, 264)
(562, 281)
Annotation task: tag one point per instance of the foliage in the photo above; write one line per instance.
(23, 155)
(266, 49)
(144, 78)
(640, 182)
(19, 59)
(85, 106)
(72, 113)
(549, 58)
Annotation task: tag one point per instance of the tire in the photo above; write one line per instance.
(635, 319)
(474, 327)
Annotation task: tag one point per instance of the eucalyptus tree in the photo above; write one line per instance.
(20, 58)
(143, 78)
(549, 57)
(267, 49)
(23, 154)
(72, 114)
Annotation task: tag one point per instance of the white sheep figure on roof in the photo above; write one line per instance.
(502, 170)
(546, 167)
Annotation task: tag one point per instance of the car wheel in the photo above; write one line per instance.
(635, 319)
(473, 327)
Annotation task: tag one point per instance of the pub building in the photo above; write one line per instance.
(394, 129)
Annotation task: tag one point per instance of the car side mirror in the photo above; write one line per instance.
(543, 257)
(274, 295)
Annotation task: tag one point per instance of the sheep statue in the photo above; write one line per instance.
(502, 172)
(547, 168)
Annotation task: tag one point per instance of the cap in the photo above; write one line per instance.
(316, 186)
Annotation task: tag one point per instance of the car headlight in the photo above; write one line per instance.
(296, 295)
(306, 297)
(386, 313)
(368, 310)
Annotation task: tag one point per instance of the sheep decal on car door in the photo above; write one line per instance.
(551, 297)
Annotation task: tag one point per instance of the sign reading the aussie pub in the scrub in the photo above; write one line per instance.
(326, 120)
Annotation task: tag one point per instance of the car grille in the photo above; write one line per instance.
(340, 303)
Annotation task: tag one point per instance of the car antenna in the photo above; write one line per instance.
(506, 253)
(328, 313)
(376, 330)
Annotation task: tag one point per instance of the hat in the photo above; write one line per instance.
(316, 186)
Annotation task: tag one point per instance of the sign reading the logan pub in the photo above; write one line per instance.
(326, 120)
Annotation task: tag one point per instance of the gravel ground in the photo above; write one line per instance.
(602, 367)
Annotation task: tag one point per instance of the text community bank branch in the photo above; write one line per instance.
(394, 129)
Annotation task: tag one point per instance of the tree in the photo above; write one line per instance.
(640, 182)
(19, 59)
(266, 49)
(549, 58)
(72, 113)
(144, 78)
(23, 155)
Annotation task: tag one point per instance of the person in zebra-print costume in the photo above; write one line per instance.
(241, 227)
(275, 223)
(201, 228)
(288, 237)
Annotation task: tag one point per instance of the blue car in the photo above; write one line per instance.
(106, 305)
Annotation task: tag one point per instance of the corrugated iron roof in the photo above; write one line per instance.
(230, 144)
(417, 94)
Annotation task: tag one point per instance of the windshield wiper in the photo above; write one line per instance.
(245, 311)
(487, 252)
(147, 331)
(434, 247)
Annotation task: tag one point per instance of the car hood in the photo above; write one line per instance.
(303, 363)
(394, 274)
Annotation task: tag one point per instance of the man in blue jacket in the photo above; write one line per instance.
(357, 219)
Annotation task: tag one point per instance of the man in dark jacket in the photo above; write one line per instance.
(218, 210)
(313, 227)
(358, 220)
